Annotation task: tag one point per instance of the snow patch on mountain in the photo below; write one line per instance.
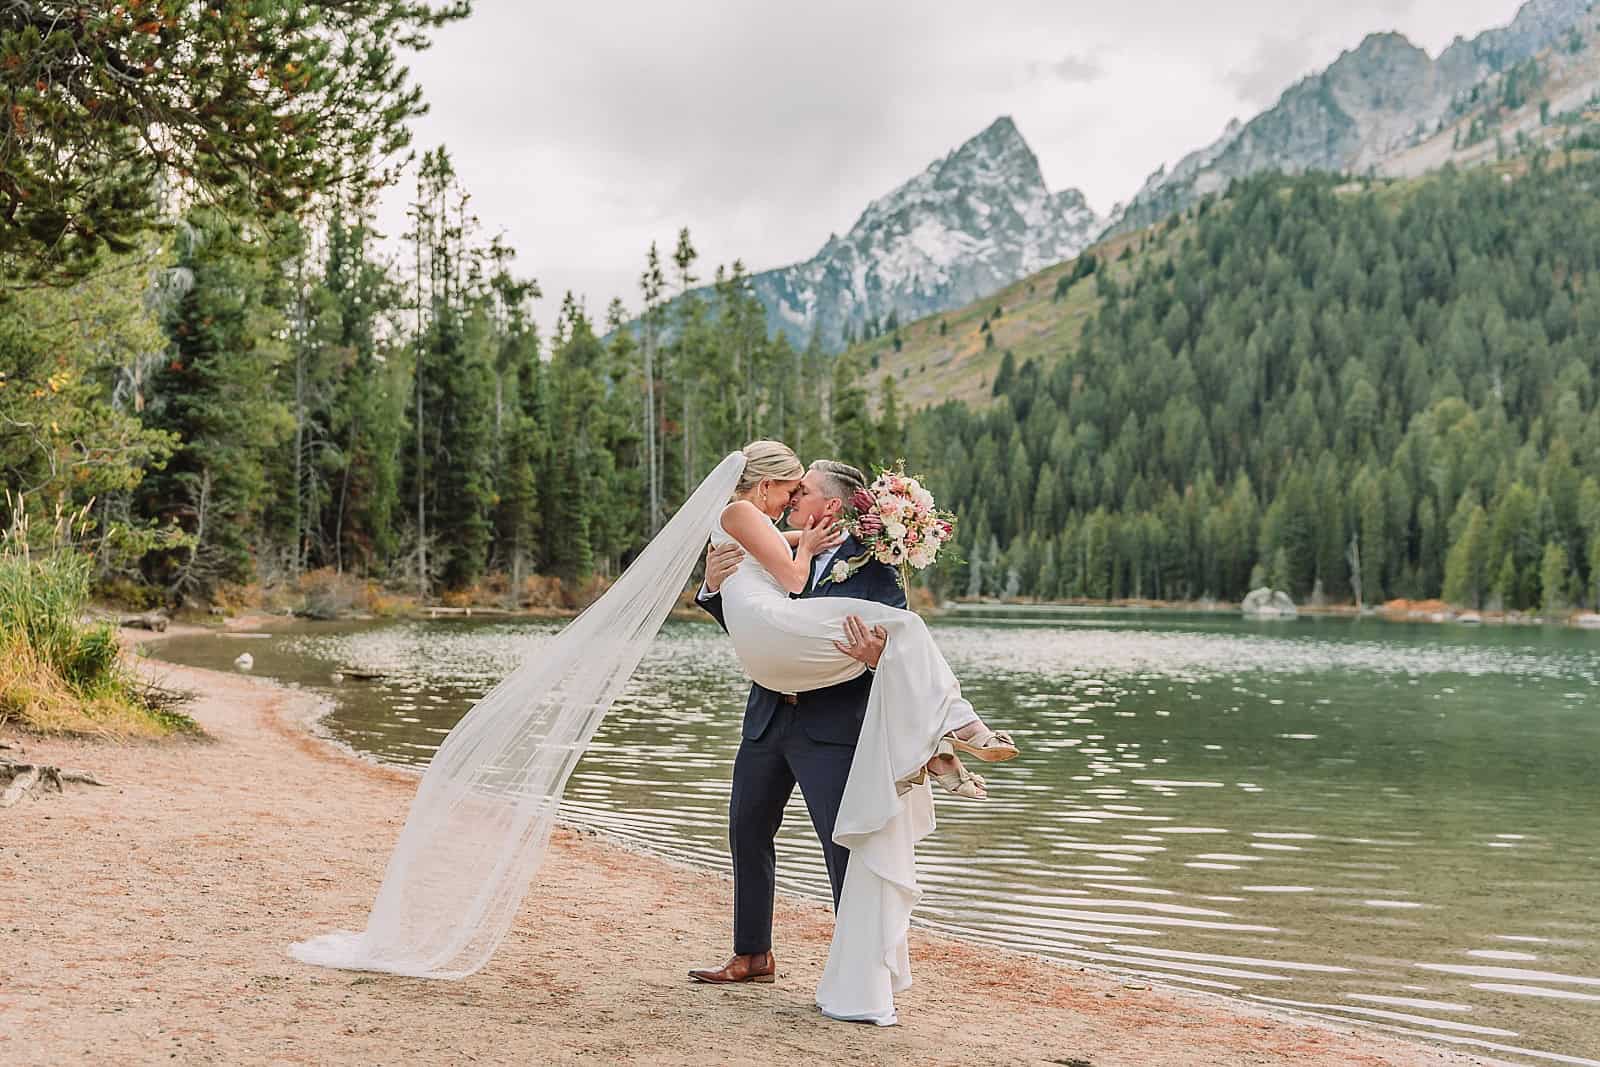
(968, 224)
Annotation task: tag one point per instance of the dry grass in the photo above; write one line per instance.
(957, 364)
(35, 698)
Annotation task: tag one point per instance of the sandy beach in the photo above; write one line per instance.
(146, 922)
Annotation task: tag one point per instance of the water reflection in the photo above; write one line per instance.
(1396, 827)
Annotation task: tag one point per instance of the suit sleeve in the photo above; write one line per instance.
(712, 605)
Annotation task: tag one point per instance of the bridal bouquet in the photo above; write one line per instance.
(896, 522)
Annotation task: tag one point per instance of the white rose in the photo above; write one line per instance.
(913, 486)
(841, 571)
(923, 498)
(920, 557)
(895, 531)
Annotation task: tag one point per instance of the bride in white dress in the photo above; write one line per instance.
(479, 825)
(915, 714)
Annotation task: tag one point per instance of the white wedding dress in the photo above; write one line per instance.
(788, 646)
(479, 825)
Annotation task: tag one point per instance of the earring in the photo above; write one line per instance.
(763, 498)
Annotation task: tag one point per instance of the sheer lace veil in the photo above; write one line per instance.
(480, 822)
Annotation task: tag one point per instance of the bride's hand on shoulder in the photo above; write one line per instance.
(821, 535)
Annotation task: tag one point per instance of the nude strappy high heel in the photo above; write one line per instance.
(961, 782)
(906, 785)
(989, 745)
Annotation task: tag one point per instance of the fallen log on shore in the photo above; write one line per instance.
(38, 777)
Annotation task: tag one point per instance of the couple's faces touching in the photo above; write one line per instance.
(774, 496)
(807, 501)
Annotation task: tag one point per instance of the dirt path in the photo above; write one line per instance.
(146, 923)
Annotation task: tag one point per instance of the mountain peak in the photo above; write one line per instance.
(1375, 101)
(968, 224)
(999, 150)
(1003, 128)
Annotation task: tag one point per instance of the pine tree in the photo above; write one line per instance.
(1048, 584)
(1465, 577)
(1553, 567)
(214, 395)
(367, 419)
(258, 107)
(524, 440)
(651, 283)
(687, 360)
(891, 443)
(854, 434)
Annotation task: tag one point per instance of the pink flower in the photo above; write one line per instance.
(862, 500)
(871, 525)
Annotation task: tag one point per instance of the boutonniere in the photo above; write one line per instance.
(843, 569)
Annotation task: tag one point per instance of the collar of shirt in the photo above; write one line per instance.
(820, 565)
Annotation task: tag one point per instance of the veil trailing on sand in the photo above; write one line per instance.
(481, 819)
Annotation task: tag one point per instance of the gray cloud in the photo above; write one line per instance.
(1074, 70)
(1274, 65)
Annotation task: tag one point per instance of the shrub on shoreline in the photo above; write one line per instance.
(59, 674)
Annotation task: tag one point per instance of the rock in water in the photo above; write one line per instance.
(245, 661)
(1267, 603)
(150, 620)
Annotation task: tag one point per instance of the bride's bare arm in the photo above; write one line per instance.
(756, 535)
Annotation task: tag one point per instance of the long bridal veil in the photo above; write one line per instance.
(481, 819)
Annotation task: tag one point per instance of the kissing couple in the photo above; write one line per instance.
(859, 742)
(853, 702)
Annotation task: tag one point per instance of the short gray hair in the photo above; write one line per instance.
(839, 480)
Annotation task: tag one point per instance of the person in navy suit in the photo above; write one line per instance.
(789, 739)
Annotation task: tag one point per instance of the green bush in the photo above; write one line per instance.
(42, 601)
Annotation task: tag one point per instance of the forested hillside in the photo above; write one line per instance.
(252, 400)
(1352, 389)
(1376, 390)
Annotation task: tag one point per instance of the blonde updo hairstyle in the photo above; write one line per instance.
(768, 461)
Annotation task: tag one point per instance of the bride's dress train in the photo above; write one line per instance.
(788, 646)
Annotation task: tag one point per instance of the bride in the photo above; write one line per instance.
(480, 822)
(915, 713)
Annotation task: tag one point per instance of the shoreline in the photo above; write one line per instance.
(1393, 611)
(152, 920)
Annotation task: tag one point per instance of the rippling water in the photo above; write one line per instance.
(1377, 823)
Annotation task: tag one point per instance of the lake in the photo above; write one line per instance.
(1380, 823)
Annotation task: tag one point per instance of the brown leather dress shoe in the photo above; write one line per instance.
(759, 967)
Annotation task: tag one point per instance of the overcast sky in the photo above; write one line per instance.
(586, 130)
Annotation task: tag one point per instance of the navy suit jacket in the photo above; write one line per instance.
(832, 715)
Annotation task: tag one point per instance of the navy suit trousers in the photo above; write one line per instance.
(765, 772)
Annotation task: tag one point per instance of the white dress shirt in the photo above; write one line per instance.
(820, 565)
